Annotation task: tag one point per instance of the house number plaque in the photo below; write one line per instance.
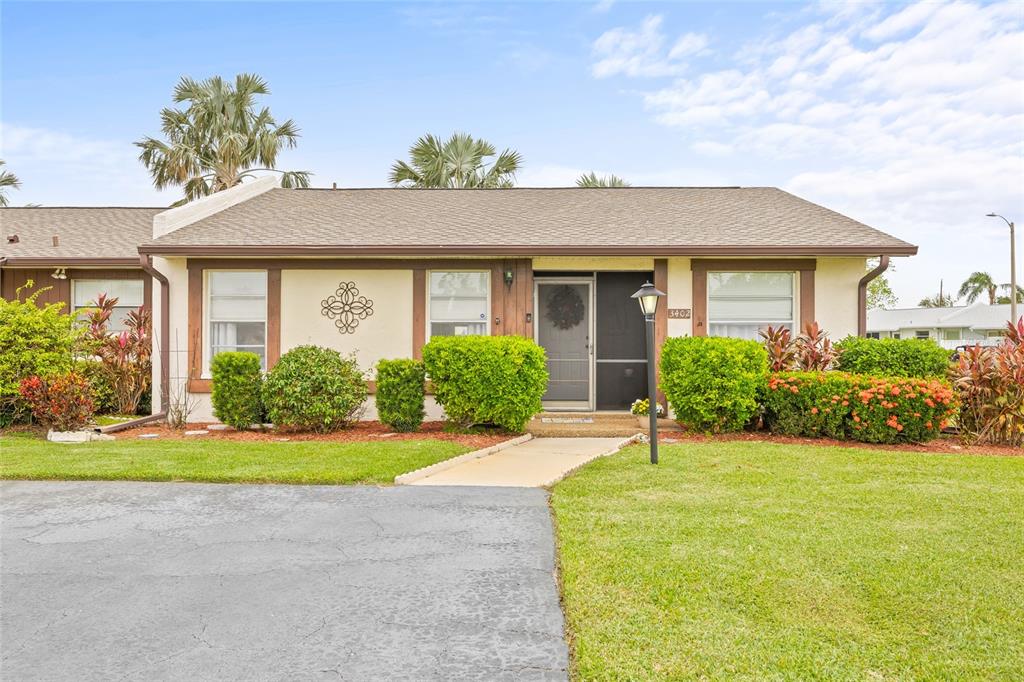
(678, 313)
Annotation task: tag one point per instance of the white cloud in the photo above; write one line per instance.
(61, 169)
(909, 120)
(603, 6)
(641, 53)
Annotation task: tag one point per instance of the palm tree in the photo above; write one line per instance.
(8, 180)
(591, 179)
(937, 301)
(460, 162)
(1008, 288)
(219, 139)
(977, 284)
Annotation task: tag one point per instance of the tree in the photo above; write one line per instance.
(219, 139)
(977, 284)
(460, 162)
(880, 293)
(8, 180)
(937, 301)
(591, 179)
(1006, 299)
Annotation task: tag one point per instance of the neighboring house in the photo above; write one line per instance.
(950, 327)
(76, 254)
(378, 272)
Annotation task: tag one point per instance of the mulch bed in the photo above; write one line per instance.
(949, 445)
(364, 431)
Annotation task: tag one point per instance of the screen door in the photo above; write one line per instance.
(563, 327)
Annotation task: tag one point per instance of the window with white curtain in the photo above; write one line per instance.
(459, 303)
(128, 292)
(236, 312)
(742, 303)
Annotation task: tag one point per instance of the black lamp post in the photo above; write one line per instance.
(648, 298)
(1013, 267)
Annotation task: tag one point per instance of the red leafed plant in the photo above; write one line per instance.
(990, 382)
(126, 356)
(811, 351)
(814, 350)
(63, 402)
(778, 341)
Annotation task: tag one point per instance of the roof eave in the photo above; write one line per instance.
(77, 261)
(523, 250)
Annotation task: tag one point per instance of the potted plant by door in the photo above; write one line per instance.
(641, 408)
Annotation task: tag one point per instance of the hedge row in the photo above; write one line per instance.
(478, 380)
(921, 358)
(849, 406)
(720, 384)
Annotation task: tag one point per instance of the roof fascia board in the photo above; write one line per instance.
(176, 218)
(78, 262)
(524, 250)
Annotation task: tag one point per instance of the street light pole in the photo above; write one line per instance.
(1013, 267)
(648, 297)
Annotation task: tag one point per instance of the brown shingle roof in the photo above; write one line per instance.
(652, 219)
(81, 232)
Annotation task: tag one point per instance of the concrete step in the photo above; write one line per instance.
(591, 425)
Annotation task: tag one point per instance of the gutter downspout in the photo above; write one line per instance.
(146, 263)
(862, 294)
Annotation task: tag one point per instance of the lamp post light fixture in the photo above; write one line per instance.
(648, 297)
(1013, 267)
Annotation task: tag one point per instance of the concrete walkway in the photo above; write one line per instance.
(535, 463)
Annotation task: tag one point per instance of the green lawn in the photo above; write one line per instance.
(29, 457)
(757, 561)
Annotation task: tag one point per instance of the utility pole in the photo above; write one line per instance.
(1013, 267)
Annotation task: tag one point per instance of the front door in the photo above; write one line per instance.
(564, 327)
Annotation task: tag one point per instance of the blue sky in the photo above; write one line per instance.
(909, 117)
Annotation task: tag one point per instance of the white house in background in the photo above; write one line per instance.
(950, 327)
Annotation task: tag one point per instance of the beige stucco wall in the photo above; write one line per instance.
(385, 334)
(592, 263)
(835, 295)
(680, 295)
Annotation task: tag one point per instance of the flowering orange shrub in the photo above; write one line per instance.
(864, 408)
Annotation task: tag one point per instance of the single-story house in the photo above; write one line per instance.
(949, 326)
(378, 272)
(76, 254)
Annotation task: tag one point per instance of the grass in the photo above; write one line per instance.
(739, 560)
(24, 456)
(111, 419)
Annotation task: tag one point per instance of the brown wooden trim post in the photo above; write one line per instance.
(700, 297)
(419, 311)
(196, 384)
(806, 297)
(660, 322)
(273, 316)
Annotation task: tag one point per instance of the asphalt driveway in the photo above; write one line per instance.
(150, 581)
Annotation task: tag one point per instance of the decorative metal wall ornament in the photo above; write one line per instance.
(346, 307)
(565, 307)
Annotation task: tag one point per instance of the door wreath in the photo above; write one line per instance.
(565, 307)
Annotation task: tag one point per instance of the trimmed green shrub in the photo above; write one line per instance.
(487, 379)
(400, 393)
(848, 406)
(314, 389)
(237, 383)
(921, 358)
(34, 341)
(713, 383)
(102, 391)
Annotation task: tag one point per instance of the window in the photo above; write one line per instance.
(128, 292)
(952, 334)
(873, 335)
(895, 335)
(236, 313)
(922, 334)
(459, 303)
(742, 303)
